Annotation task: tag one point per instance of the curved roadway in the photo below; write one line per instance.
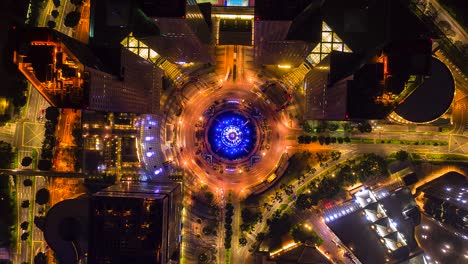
(196, 105)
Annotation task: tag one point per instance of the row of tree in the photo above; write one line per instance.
(228, 225)
(306, 139)
(73, 18)
(77, 133)
(323, 126)
(370, 165)
(51, 115)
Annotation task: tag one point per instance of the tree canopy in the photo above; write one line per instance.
(26, 161)
(401, 155)
(40, 258)
(209, 196)
(44, 165)
(279, 224)
(27, 182)
(72, 19)
(55, 13)
(249, 219)
(300, 233)
(42, 196)
(52, 114)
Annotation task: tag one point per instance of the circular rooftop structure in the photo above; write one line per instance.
(432, 98)
(231, 135)
(65, 230)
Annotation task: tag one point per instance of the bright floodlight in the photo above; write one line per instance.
(149, 154)
(149, 138)
(232, 136)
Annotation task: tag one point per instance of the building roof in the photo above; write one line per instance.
(341, 87)
(165, 8)
(83, 52)
(432, 98)
(235, 32)
(135, 223)
(138, 189)
(62, 224)
(417, 258)
(303, 254)
(80, 50)
(307, 25)
(451, 187)
(273, 47)
(366, 26)
(280, 9)
(378, 229)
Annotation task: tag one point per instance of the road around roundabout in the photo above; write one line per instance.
(195, 102)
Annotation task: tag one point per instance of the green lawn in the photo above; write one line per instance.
(282, 207)
(362, 140)
(300, 190)
(228, 256)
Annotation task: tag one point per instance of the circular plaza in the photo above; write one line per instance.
(232, 135)
(229, 137)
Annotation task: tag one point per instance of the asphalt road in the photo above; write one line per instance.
(28, 135)
(23, 248)
(37, 237)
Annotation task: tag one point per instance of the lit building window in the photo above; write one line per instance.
(330, 41)
(142, 50)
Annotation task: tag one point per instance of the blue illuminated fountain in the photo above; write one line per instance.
(232, 136)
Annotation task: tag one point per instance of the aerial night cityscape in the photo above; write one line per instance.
(233, 131)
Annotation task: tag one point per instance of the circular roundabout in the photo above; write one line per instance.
(229, 137)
